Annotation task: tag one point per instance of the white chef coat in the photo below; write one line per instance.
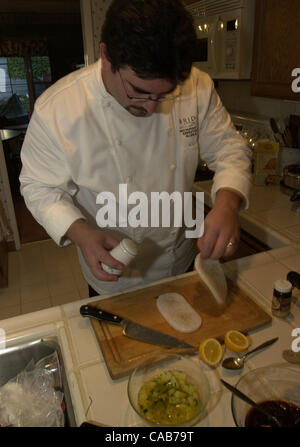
(80, 142)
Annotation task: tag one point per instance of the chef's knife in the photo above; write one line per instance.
(135, 330)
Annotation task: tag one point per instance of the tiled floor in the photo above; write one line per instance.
(41, 275)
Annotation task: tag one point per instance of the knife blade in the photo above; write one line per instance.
(135, 330)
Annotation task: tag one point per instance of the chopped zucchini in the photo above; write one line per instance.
(169, 398)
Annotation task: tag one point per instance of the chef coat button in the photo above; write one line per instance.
(172, 166)
(108, 104)
(118, 142)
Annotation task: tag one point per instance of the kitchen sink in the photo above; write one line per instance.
(14, 359)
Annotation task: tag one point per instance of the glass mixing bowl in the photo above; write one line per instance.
(176, 392)
(271, 383)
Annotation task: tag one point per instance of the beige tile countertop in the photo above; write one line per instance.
(271, 217)
(97, 397)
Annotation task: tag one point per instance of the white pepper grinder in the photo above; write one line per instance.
(124, 252)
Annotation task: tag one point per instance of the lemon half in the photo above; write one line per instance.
(236, 341)
(211, 351)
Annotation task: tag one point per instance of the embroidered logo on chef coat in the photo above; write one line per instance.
(188, 126)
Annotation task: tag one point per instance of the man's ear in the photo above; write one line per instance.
(103, 55)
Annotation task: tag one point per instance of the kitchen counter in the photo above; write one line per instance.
(97, 397)
(271, 217)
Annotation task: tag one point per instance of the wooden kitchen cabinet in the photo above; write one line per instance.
(276, 49)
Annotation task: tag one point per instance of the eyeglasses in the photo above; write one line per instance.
(147, 98)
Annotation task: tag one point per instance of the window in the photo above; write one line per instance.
(41, 74)
(26, 77)
(13, 80)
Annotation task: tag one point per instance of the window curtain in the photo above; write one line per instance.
(23, 47)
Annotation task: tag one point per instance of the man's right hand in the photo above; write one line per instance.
(95, 246)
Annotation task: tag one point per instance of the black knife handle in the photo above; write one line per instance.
(102, 315)
(294, 278)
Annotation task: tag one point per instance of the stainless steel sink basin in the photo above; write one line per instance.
(14, 359)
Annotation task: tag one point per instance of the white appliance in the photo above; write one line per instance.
(225, 31)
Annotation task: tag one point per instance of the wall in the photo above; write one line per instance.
(92, 15)
(236, 97)
(99, 8)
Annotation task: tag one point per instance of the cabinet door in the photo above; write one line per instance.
(276, 48)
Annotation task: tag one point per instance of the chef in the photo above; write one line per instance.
(140, 116)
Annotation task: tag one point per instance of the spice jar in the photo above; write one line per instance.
(124, 252)
(282, 297)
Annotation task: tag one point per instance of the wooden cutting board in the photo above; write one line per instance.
(122, 354)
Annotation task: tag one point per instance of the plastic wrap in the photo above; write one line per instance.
(33, 398)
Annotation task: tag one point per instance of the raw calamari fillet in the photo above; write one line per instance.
(178, 313)
(212, 274)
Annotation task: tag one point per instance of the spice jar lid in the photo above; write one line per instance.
(129, 246)
(283, 285)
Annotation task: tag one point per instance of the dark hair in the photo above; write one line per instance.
(156, 38)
